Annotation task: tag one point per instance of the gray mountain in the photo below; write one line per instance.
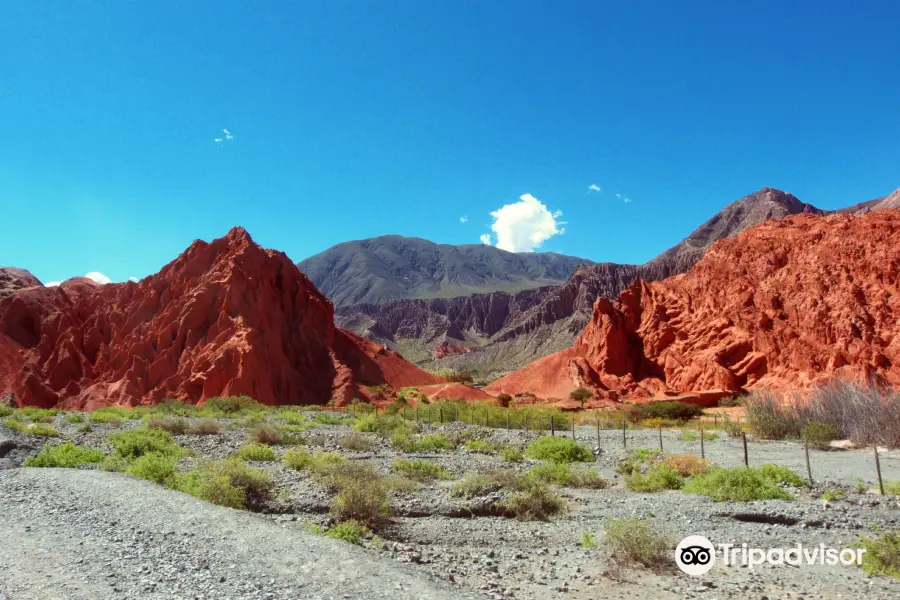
(394, 267)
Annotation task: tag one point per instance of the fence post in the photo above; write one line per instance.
(441, 413)
(878, 470)
(702, 448)
(552, 425)
(660, 439)
(624, 439)
(573, 427)
(598, 431)
(526, 422)
(744, 437)
(715, 420)
(808, 468)
(507, 420)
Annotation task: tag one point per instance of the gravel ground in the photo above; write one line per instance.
(163, 535)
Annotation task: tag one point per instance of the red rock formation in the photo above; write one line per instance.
(784, 305)
(224, 318)
(13, 279)
(448, 348)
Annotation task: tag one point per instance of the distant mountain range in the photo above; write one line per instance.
(496, 332)
(393, 267)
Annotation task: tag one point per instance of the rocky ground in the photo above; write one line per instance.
(88, 534)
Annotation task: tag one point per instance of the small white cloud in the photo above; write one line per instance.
(133, 278)
(463, 219)
(98, 277)
(52, 283)
(525, 225)
(486, 238)
(594, 188)
(623, 198)
(228, 137)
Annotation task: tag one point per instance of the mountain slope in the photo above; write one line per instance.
(506, 331)
(785, 305)
(225, 318)
(13, 279)
(393, 267)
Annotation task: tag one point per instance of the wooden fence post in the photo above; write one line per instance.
(507, 420)
(660, 439)
(744, 437)
(598, 432)
(878, 470)
(552, 425)
(441, 413)
(702, 449)
(624, 439)
(808, 468)
(573, 427)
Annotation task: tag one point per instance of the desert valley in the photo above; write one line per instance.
(397, 418)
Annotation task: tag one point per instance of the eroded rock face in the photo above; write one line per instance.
(13, 279)
(785, 305)
(224, 318)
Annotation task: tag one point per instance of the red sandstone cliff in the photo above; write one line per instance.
(783, 305)
(224, 318)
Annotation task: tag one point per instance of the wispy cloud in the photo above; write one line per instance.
(525, 225)
(595, 188)
(98, 277)
(227, 138)
(464, 219)
(485, 238)
(623, 198)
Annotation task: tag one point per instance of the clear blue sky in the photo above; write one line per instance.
(356, 119)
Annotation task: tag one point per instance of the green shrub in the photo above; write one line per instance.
(419, 470)
(739, 484)
(689, 436)
(819, 434)
(267, 434)
(832, 495)
(475, 484)
(86, 428)
(303, 460)
(686, 465)
(385, 425)
(75, 418)
(778, 474)
(66, 455)
(174, 425)
(114, 463)
(882, 554)
(231, 406)
(135, 443)
(351, 531)
(6, 411)
(769, 417)
(482, 446)
(581, 395)
(154, 467)
(111, 413)
(534, 501)
(510, 454)
(362, 494)
(564, 475)
(558, 449)
(41, 429)
(229, 483)
(293, 417)
(658, 478)
(255, 452)
(34, 414)
(587, 541)
(892, 488)
(675, 411)
(328, 419)
(355, 442)
(637, 541)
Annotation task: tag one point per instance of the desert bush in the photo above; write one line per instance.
(689, 436)
(739, 484)
(732, 401)
(362, 494)
(134, 443)
(351, 531)
(255, 452)
(112, 413)
(267, 434)
(385, 425)
(659, 477)
(432, 442)
(419, 470)
(86, 428)
(74, 418)
(6, 411)
(564, 475)
(230, 407)
(832, 495)
(587, 541)
(325, 418)
(558, 449)
(292, 417)
(686, 465)
(114, 463)
(33, 413)
(504, 400)
(356, 442)
(229, 483)
(657, 422)
(458, 375)
(41, 429)
(819, 434)
(154, 467)
(882, 554)
(66, 455)
(866, 415)
(482, 446)
(778, 474)
(174, 425)
(769, 417)
(675, 411)
(475, 484)
(510, 454)
(204, 427)
(581, 395)
(637, 541)
(892, 488)
(303, 460)
(534, 501)
(732, 428)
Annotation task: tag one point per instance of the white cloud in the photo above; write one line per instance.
(463, 219)
(133, 278)
(485, 238)
(52, 283)
(623, 198)
(525, 225)
(228, 137)
(98, 277)
(594, 188)
(626, 200)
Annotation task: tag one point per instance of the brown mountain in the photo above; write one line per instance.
(506, 331)
(13, 279)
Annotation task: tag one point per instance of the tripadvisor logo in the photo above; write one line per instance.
(696, 555)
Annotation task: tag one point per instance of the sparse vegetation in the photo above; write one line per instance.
(581, 395)
(153, 466)
(204, 427)
(432, 442)
(558, 449)
(587, 541)
(534, 501)
(174, 425)
(819, 434)
(303, 460)
(65, 455)
(637, 542)
(659, 477)
(41, 429)
(228, 483)
(267, 434)
(481, 446)
(476, 484)
(510, 454)
(73, 418)
(134, 443)
(351, 531)
(255, 452)
(355, 442)
(686, 465)
(832, 495)
(419, 470)
(676, 412)
(739, 484)
(882, 554)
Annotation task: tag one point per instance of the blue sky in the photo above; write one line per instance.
(356, 119)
